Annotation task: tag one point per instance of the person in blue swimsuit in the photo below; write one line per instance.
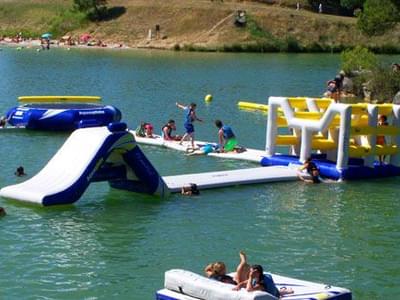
(260, 281)
(190, 117)
(226, 138)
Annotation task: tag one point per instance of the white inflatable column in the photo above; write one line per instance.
(372, 123)
(344, 135)
(312, 105)
(272, 129)
(306, 140)
(395, 158)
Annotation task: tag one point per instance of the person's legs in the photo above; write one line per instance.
(183, 138)
(243, 268)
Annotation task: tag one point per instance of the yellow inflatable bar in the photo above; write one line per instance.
(253, 106)
(361, 151)
(35, 99)
(381, 130)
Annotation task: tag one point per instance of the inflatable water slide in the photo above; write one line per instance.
(341, 138)
(89, 155)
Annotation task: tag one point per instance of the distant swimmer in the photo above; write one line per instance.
(3, 121)
(20, 171)
(312, 170)
(190, 189)
(2, 212)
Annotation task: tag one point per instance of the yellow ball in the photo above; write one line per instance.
(208, 98)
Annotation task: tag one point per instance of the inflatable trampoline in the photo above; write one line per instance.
(62, 116)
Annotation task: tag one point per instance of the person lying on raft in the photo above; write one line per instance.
(167, 129)
(217, 271)
(203, 150)
(259, 281)
(251, 278)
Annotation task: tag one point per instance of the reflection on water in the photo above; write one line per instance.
(104, 245)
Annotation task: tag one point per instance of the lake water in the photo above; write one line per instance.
(117, 245)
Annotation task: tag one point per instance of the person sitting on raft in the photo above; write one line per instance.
(226, 138)
(259, 281)
(312, 169)
(144, 130)
(167, 131)
(252, 278)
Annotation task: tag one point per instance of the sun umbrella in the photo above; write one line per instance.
(46, 35)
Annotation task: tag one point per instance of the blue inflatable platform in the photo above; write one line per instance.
(62, 116)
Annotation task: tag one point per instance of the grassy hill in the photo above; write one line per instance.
(202, 25)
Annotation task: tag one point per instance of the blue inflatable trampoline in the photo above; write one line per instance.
(62, 116)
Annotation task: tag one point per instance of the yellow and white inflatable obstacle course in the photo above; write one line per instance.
(341, 138)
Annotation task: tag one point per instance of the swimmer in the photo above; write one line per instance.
(190, 189)
(2, 212)
(20, 171)
(312, 170)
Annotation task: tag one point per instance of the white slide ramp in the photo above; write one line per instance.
(64, 170)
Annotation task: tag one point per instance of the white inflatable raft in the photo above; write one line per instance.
(186, 285)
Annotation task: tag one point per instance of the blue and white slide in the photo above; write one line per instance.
(89, 155)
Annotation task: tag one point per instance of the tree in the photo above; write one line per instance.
(352, 4)
(378, 16)
(94, 9)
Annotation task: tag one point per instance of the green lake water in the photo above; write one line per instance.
(117, 245)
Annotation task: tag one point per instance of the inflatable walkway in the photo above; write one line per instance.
(90, 155)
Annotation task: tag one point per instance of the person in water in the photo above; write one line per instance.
(226, 138)
(167, 129)
(312, 170)
(190, 189)
(190, 117)
(3, 121)
(2, 212)
(20, 171)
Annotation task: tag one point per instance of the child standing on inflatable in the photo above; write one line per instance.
(190, 117)
(380, 139)
(226, 138)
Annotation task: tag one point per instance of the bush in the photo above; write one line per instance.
(358, 59)
(377, 17)
(67, 21)
(384, 83)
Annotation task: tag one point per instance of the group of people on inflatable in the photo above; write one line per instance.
(227, 141)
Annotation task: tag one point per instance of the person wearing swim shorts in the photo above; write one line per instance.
(190, 117)
(226, 138)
